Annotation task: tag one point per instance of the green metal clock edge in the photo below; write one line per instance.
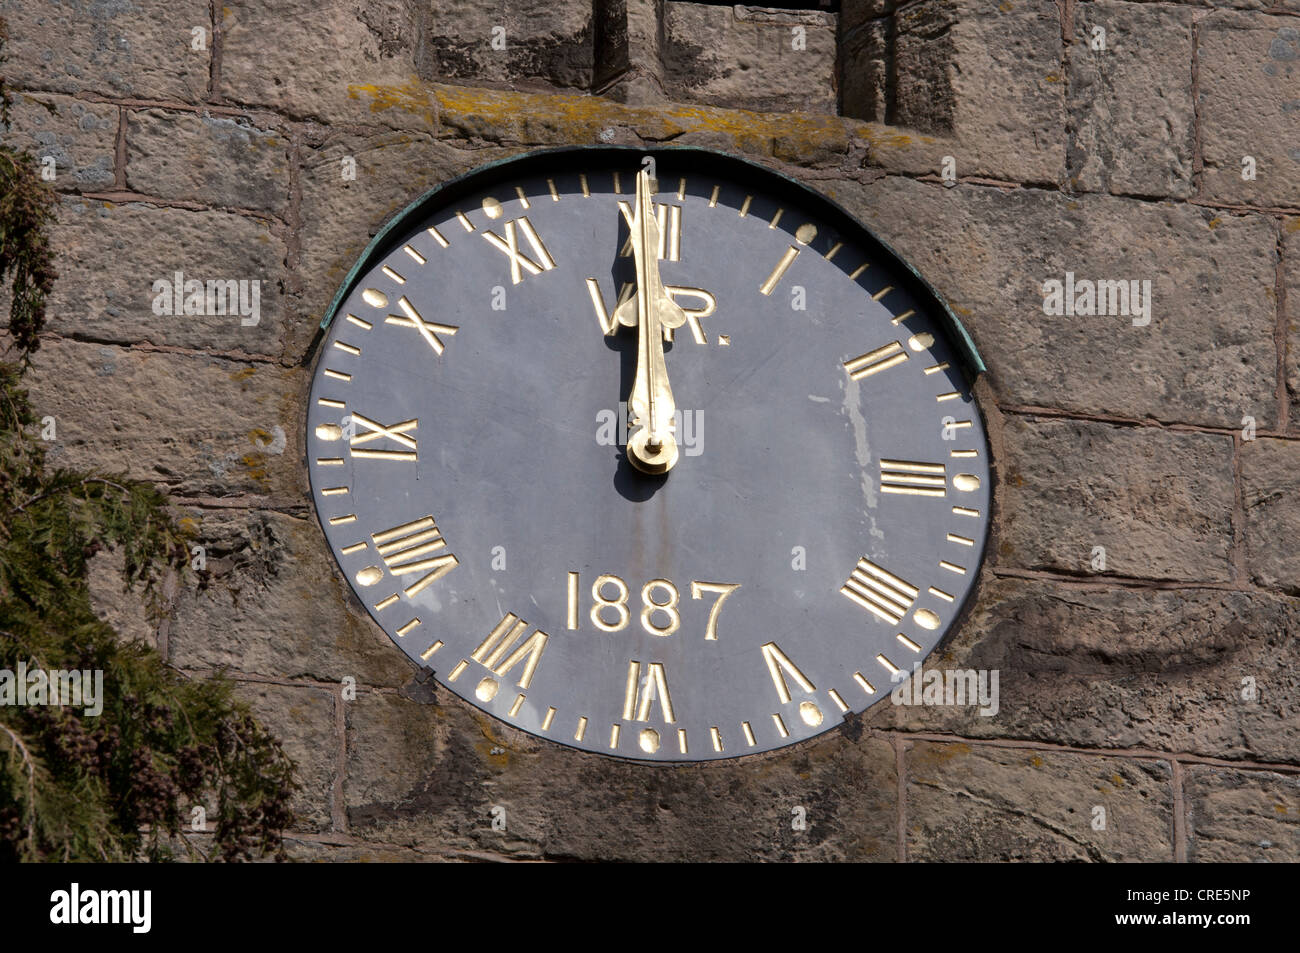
(378, 246)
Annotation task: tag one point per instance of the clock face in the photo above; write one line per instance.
(669, 469)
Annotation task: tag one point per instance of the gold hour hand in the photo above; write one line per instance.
(653, 447)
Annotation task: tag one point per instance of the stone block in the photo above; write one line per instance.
(1159, 503)
(1131, 112)
(1270, 490)
(750, 57)
(113, 603)
(1095, 667)
(197, 425)
(271, 602)
(140, 50)
(302, 720)
(80, 136)
(214, 160)
(430, 771)
(1241, 816)
(992, 78)
(976, 802)
(864, 70)
(117, 267)
(1250, 98)
(327, 60)
(539, 41)
(1291, 312)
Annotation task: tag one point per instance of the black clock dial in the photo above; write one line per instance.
(824, 513)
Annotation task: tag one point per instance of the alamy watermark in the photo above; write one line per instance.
(57, 687)
(216, 297)
(75, 905)
(688, 428)
(953, 686)
(1084, 297)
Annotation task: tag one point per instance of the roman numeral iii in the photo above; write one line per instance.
(913, 479)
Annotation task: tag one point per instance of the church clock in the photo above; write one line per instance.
(658, 454)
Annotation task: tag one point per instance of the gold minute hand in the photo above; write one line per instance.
(653, 448)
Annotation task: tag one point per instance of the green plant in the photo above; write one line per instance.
(26, 212)
(119, 785)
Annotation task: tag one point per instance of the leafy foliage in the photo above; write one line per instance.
(118, 785)
(26, 211)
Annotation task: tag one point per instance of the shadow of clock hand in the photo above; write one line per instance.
(630, 482)
(634, 485)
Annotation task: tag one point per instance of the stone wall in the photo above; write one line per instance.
(1174, 445)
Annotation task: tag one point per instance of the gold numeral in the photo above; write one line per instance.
(804, 234)
(618, 604)
(912, 478)
(778, 666)
(878, 360)
(407, 550)
(670, 231)
(572, 615)
(879, 591)
(708, 304)
(428, 329)
(492, 654)
(608, 324)
(768, 286)
(509, 246)
(667, 607)
(642, 691)
(659, 598)
(605, 317)
(722, 590)
(397, 433)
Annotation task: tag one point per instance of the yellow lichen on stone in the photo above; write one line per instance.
(553, 117)
(412, 97)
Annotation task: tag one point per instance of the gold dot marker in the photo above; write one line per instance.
(486, 689)
(810, 713)
(926, 619)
